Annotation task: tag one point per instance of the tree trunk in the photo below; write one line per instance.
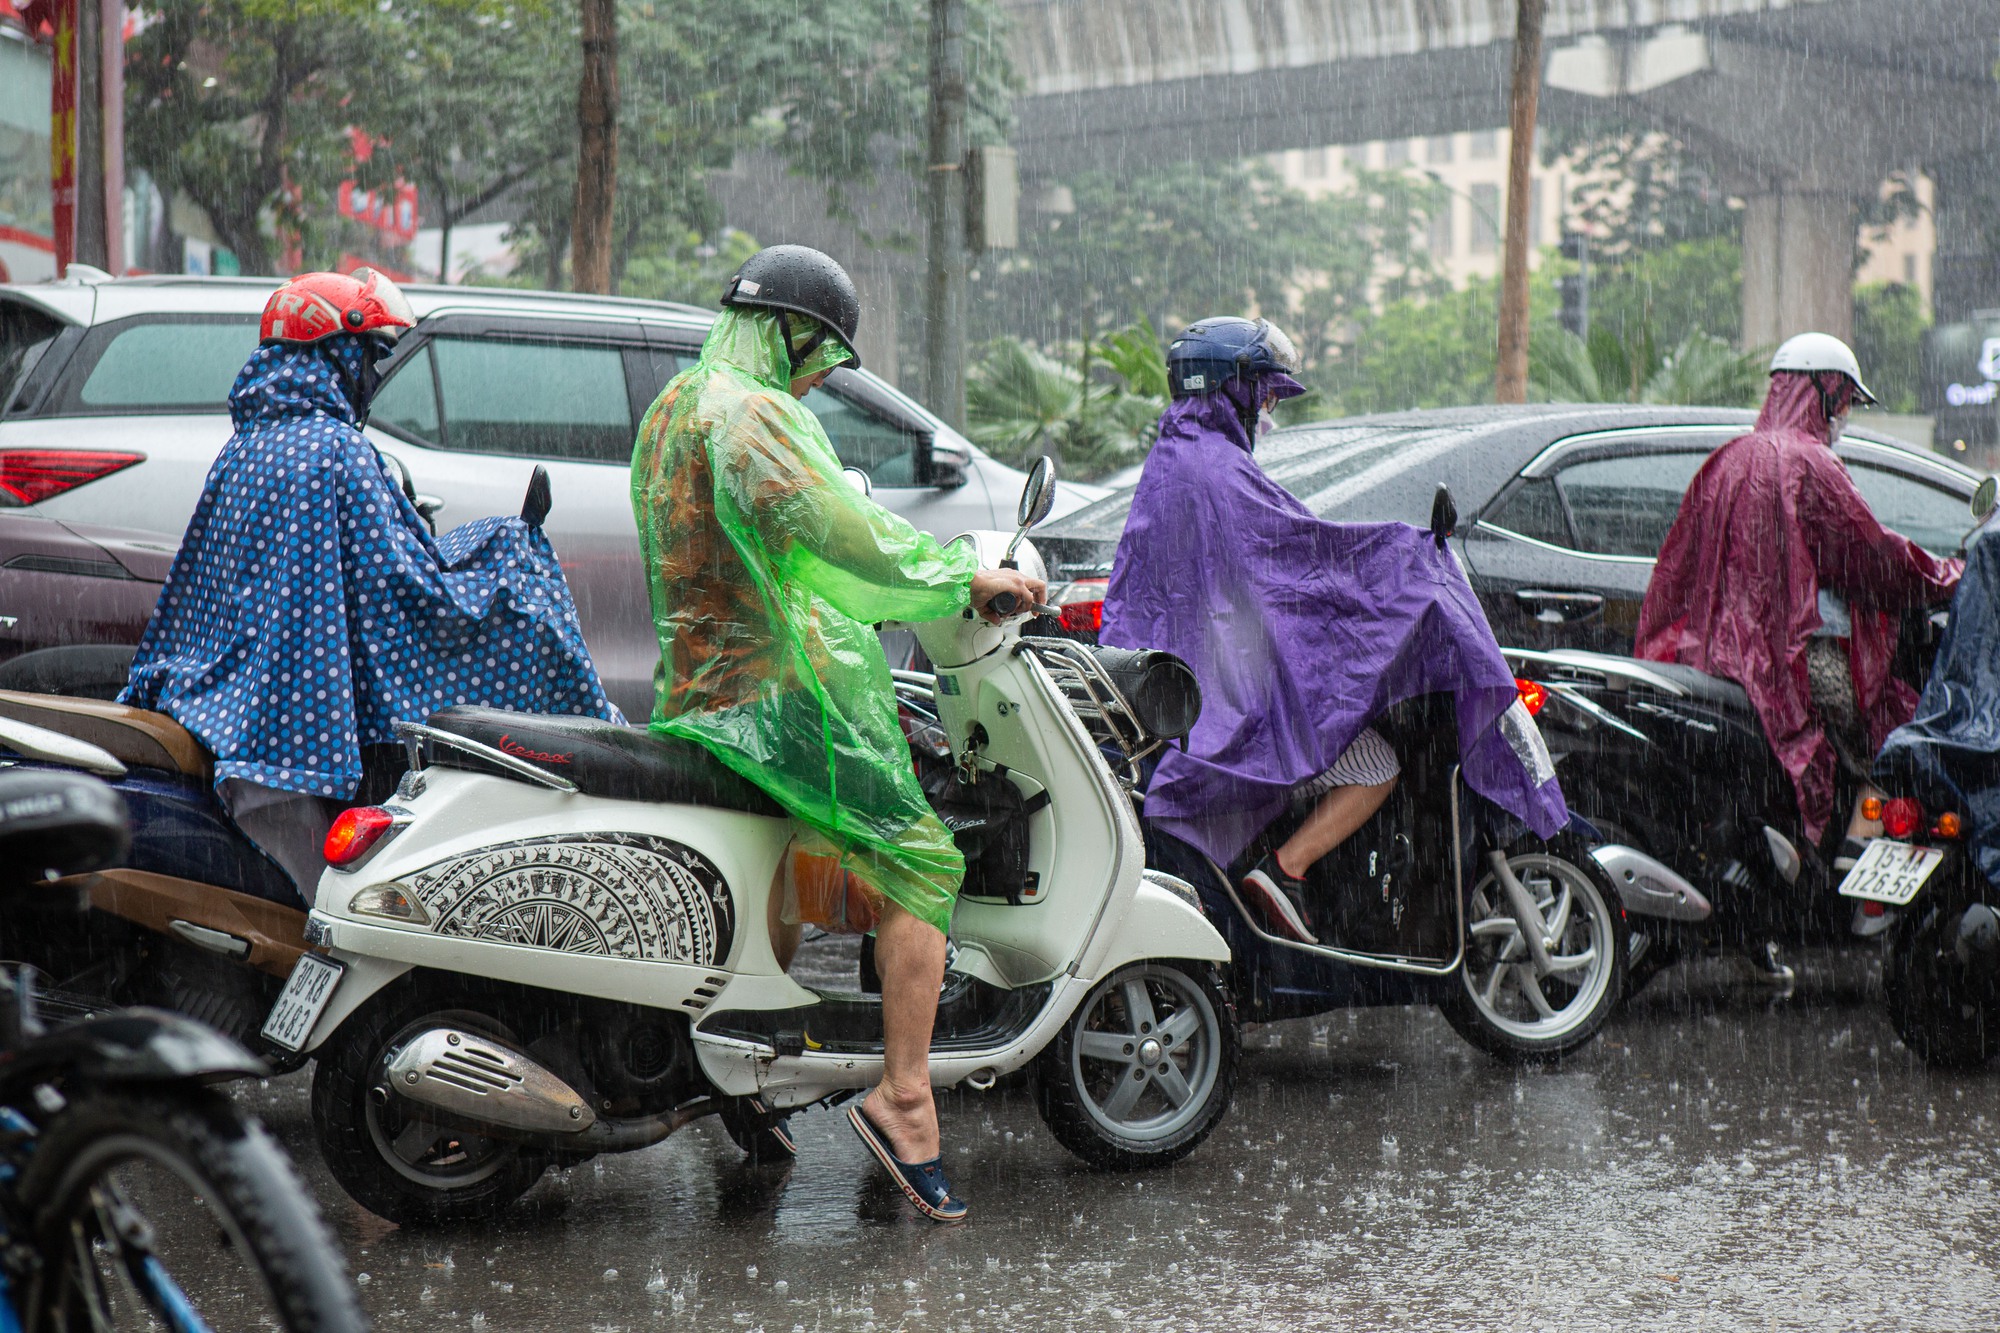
(597, 149)
(944, 287)
(444, 249)
(1510, 372)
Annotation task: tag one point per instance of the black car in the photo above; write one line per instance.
(1562, 506)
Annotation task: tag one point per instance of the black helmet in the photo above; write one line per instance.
(800, 279)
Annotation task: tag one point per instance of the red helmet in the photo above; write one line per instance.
(318, 305)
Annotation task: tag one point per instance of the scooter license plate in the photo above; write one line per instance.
(302, 1001)
(1890, 872)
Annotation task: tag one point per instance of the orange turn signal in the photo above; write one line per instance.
(1871, 807)
(1948, 825)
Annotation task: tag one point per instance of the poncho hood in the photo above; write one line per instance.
(749, 340)
(1300, 632)
(1948, 754)
(1770, 519)
(309, 610)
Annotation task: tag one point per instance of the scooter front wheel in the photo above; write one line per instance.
(1144, 1069)
(383, 1151)
(1505, 1001)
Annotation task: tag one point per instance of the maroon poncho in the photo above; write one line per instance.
(1771, 518)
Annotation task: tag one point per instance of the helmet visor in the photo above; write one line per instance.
(1282, 350)
(392, 300)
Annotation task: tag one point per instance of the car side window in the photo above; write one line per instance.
(1625, 505)
(1535, 510)
(534, 399)
(406, 404)
(883, 449)
(1930, 516)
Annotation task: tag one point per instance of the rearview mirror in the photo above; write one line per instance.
(1984, 499)
(1444, 514)
(859, 480)
(1038, 496)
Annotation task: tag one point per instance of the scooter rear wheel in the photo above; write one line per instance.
(1500, 1003)
(1144, 1069)
(394, 1163)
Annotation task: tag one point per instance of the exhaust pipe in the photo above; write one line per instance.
(473, 1077)
(1648, 888)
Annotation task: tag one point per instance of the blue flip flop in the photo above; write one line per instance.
(922, 1182)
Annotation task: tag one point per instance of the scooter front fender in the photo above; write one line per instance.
(365, 977)
(1163, 920)
(129, 1046)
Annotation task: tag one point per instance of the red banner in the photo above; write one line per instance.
(62, 130)
(391, 212)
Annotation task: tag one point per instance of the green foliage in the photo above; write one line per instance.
(1606, 368)
(237, 105)
(1889, 324)
(1672, 292)
(1434, 352)
(1637, 189)
(1096, 415)
(1175, 244)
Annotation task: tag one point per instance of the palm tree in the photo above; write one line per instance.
(1021, 403)
(1702, 370)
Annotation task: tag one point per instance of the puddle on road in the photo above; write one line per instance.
(1707, 1164)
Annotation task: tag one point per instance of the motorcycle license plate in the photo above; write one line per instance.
(303, 999)
(1890, 872)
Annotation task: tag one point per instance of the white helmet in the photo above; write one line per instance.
(1810, 352)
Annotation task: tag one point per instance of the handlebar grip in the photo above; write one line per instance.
(1004, 603)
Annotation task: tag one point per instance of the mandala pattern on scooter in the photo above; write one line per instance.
(621, 895)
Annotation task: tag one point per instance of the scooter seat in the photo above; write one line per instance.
(133, 736)
(617, 763)
(1717, 690)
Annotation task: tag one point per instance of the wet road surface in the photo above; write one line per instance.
(1715, 1160)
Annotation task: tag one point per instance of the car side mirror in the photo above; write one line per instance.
(859, 480)
(1444, 515)
(1984, 497)
(941, 468)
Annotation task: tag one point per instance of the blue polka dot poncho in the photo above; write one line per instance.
(309, 609)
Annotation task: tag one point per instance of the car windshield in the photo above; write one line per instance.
(1312, 463)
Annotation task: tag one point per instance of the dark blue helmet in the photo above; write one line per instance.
(1210, 352)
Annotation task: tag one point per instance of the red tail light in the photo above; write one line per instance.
(1901, 817)
(1533, 696)
(355, 832)
(31, 475)
(1083, 617)
(1082, 605)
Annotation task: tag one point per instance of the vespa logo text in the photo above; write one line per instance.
(508, 745)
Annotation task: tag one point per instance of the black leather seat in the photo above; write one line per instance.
(618, 763)
(1716, 690)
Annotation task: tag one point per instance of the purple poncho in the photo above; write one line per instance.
(1301, 632)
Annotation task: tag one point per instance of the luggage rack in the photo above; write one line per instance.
(1099, 704)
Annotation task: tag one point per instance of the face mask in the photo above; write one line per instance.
(1266, 423)
(1834, 429)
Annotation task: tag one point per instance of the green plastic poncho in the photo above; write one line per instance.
(768, 571)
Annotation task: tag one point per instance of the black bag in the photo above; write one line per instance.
(988, 819)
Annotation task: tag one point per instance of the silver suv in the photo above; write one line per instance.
(113, 406)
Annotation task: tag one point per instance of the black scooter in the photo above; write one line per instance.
(1674, 762)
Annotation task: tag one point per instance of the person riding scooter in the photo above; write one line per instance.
(309, 609)
(768, 571)
(1778, 576)
(1301, 632)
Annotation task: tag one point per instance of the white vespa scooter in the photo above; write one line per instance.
(554, 942)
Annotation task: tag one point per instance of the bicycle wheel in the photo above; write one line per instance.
(174, 1211)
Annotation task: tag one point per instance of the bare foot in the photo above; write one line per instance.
(907, 1120)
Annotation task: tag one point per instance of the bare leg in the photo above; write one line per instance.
(910, 956)
(1859, 827)
(1333, 821)
(784, 937)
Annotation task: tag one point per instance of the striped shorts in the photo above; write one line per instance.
(1367, 762)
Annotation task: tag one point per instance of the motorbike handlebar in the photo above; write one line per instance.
(1007, 604)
